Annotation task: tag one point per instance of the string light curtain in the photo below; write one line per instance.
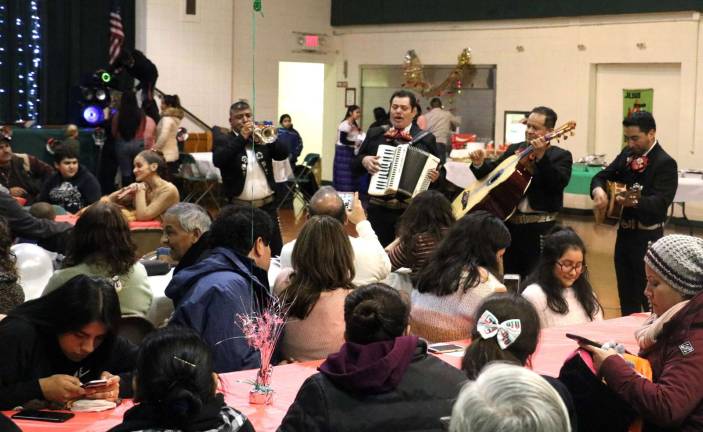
(20, 60)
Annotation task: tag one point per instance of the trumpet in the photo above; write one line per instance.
(265, 133)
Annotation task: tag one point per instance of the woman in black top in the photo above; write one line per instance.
(54, 343)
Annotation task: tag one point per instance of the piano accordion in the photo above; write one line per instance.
(404, 171)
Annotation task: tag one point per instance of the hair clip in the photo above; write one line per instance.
(506, 332)
(116, 283)
(193, 365)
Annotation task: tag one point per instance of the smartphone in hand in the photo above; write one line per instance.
(347, 198)
(583, 340)
(94, 383)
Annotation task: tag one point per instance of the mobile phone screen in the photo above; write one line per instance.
(347, 198)
(444, 348)
(512, 282)
(48, 416)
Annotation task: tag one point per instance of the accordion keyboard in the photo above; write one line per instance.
(379, 181)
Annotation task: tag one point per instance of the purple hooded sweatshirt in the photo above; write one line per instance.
(372, 368)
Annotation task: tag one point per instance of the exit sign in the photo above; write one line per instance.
(311, 41)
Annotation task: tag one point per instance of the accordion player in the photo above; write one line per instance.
(405, 171)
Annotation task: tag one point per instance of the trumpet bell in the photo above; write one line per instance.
(265, 134)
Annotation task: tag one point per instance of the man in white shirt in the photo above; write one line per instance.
(246, 165)
(371, 263)
(441, 123)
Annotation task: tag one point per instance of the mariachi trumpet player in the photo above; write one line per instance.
(244, 154)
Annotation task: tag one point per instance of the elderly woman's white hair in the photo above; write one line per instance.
(509, 398)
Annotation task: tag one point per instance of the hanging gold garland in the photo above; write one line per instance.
(414, 77)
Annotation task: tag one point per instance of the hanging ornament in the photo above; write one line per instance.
(414, 79)
(412, 70)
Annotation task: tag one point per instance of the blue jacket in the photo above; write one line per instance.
(293, 141)
(210, 294)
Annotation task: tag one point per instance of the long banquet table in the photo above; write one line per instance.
(553, 348)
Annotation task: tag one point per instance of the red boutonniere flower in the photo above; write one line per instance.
(637, 164)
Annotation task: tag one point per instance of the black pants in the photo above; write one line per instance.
(525, 247)
(383, 221)
(630, 247)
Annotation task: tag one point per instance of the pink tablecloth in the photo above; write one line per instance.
(554, 347)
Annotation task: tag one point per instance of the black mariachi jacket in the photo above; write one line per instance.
(376, 137)
(659, 181)
(230, 156)
(550, 176)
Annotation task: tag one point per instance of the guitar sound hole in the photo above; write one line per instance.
(494, 178)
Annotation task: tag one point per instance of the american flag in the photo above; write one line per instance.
(116, 33)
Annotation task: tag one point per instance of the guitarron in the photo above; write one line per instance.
(502, 189)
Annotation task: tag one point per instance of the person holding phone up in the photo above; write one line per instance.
(53, 344)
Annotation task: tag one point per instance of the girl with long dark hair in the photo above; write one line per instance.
(101, 245)
(559, 287)
(315, 288)
(466, 267)
(54, 343)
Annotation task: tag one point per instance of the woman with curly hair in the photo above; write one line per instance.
(101, 245)
(315, 288)
(11, 293)
(559, 287)
(420, 229)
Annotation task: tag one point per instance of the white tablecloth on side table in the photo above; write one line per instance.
(690, 188)
(205, 165)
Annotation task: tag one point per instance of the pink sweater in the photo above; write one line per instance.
(322, 332)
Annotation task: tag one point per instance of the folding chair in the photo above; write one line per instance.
(302, 184)
(196, 184)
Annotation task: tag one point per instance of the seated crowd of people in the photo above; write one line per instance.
(367, 311)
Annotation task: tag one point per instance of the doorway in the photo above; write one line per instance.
(301, 95)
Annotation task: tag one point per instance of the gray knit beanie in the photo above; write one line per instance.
(678, 259)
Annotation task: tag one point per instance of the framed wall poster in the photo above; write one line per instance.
(350, 97)
(514, 128)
